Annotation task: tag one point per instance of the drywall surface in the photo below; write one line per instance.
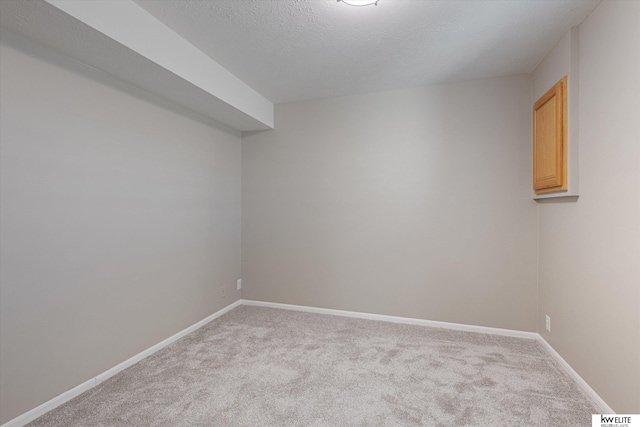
(563, 60)
(590, 248)
(296, 50)
(120, 223)
(412, 203)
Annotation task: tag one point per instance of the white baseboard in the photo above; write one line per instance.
(47, 406)
(586, 388)
(70, 394)
(396, 319)
(31, 415)
(605, 409)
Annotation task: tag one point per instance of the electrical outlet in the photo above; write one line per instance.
(548, 324)
(239, 284)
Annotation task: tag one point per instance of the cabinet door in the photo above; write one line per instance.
(550, 140)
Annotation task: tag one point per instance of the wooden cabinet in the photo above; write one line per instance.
(550, 140)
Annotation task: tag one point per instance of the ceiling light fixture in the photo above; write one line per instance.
(359, 2)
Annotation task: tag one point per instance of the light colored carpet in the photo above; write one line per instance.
(268, 367)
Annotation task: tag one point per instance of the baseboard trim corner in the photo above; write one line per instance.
(605, 409)
(395, 319)
(148, 352)
(64, 397)
(586, 388)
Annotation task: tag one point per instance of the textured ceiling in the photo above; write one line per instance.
(304, 49)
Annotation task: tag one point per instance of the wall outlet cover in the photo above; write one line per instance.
(239, 284)
(548, 323)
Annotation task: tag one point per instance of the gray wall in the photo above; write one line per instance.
(120, 215)
(590, 248)
(120, 223)
(413, 203)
